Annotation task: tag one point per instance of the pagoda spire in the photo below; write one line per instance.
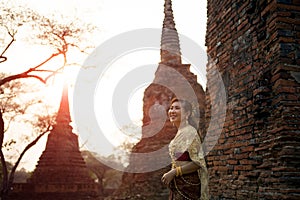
(63, 118)
(170, 47)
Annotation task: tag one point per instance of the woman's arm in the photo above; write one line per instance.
(189, 167)
(185, 169)
(168, 177)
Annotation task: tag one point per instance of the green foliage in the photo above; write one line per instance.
(112, 179)
(21, 176)
(9, 167)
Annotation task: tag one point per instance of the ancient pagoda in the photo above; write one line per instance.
(172, 78)
(61, 172)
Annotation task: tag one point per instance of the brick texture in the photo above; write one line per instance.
(255, 46)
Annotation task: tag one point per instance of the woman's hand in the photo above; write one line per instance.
(168, 177)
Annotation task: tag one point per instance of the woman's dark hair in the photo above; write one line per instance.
(187, 106)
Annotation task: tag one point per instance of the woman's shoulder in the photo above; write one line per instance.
(189, 129)
(190, 132)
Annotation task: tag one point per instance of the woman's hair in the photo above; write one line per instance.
(187, 106)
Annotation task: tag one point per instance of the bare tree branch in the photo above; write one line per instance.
(3, 162)
(31, 144)
(3, 58)
(47, 32)
(81, 50)
(30, 70)
(4, 173)
(1, 128)
(19, 111)
(20, 76)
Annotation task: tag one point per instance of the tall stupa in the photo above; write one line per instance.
(172, 78)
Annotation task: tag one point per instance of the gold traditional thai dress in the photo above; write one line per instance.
(187, 147)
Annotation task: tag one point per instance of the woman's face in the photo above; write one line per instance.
(175, 112)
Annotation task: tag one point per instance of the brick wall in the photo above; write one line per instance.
(255, 46)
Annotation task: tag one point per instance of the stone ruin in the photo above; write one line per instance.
(61, 172)
(172, 78)
(254, 62)
(252, 103)
(254, 45)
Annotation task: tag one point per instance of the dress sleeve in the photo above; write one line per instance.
(197, 156)
(196, 152)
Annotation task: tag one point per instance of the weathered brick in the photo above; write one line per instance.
(243, 167)
(247, 149)
(232, 162)
(284, 1)
(242, 156)
(260, 93)
(248, 162)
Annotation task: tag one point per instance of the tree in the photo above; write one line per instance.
(21, 176)
(20, 110)
(123, 150)
(60, 38)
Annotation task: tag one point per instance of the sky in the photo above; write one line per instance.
(114, 17)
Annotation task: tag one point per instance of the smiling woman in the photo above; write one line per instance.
(188, 177)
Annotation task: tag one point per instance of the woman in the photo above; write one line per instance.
(188, 178)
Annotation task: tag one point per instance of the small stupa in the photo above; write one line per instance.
(61, 172)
